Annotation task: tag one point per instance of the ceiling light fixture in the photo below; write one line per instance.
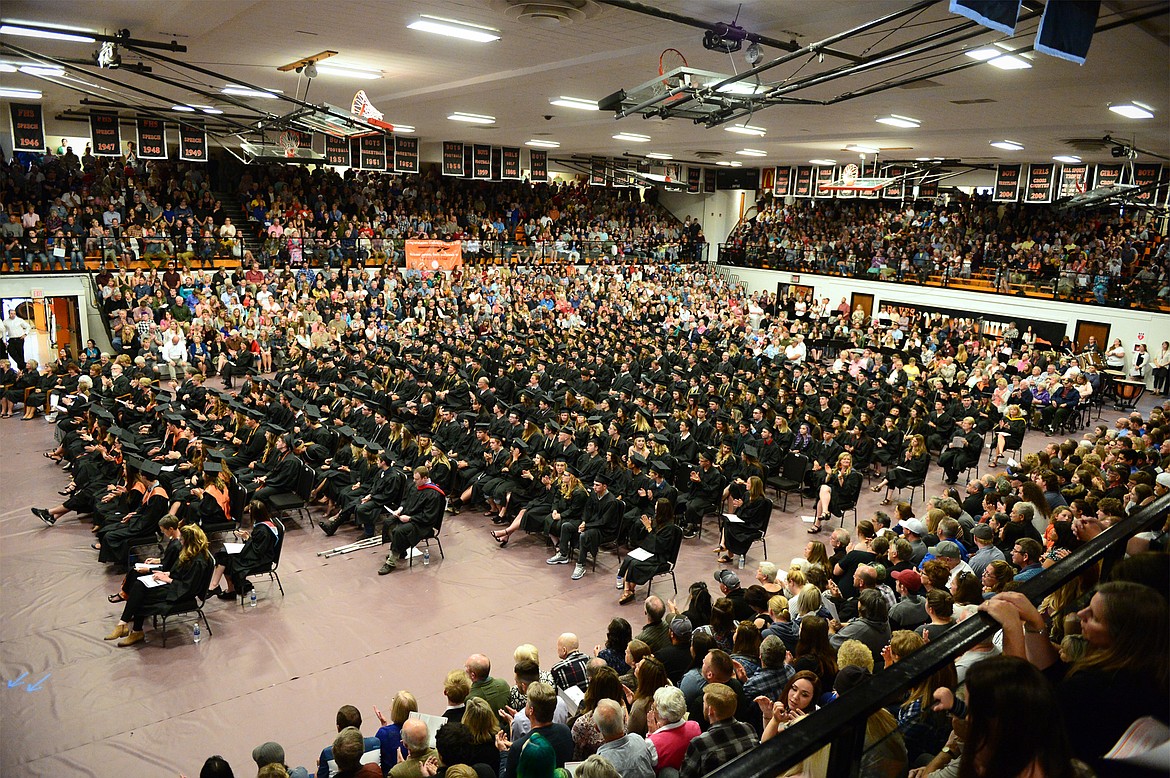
(543, 144)
(1010, 62)
(752, 153)
(29, 32)
(243, 91)
(905, 122)
(472, 118)
(822, 162)
(7, 67)
(860, 149)
(20, 94)
(1130, 110)
(183, 108)
(580, 103)
(743, 88)
(403, 129)
(632, 137)
(42, 70)
(348, 72)
(1067, 159)
(659, 155)
(453, 28)
(209, 109)
(1008, 145)
(984, 54)
(747, 129)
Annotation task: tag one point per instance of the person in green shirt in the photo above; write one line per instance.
(494, 690)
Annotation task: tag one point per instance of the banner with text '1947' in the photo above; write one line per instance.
(105, 134)
(405, 154)
(28, 127)
(1039, 186)
(434, 254)
(538, 166)
(1007, 184)
(192, 142)
(152, 138)
(452, 158)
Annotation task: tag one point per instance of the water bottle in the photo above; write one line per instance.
(198, 635)
(252, 599)
(426, 555)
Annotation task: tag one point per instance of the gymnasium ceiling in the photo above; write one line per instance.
(1055, 107)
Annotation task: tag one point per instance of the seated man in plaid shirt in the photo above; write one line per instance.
(724, 739)
(570, 671)
(770, 679)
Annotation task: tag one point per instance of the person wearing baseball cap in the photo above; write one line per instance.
(730, 586)
(676, 657)
(949, 554)
(986, 551)
(914, 530)
(910, 610)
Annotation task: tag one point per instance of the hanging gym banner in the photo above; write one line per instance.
(373, 152)
(1039, 187)
(538, 166)
(152, 138)
(405, 154)
(1107, 175)
(928, 190)
(1007, 184)
(337, 151)
(597, 171)
(825, 177)
(710, 180)
(895, 190)
(481, 163)
(452, 158)
(783, 181)
(1146, 174)
(694, 180)
(1072, 180)
(192, 142)
(804, 182)
(28, 127)
(510, 163)
(104, 134)
(767, 179)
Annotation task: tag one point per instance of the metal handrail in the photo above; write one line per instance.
(842, 722)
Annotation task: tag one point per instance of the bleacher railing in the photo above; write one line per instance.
(841, 724)
(1118, 291)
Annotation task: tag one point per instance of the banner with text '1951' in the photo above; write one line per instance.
(1007, 184)
(434, 254)
(152, 138)
(28, 127)
(192, 142)
(405, 154)
(538, 166)
(1039, 186)
(337, 151)
(105, 134)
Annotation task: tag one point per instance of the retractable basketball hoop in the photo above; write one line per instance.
(851, 181)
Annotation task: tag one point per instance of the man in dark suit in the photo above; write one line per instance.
(422, 510)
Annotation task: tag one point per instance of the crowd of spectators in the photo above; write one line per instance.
(516, 390)
(1098, 255)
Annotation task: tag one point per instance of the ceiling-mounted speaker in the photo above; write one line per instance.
(549, 14)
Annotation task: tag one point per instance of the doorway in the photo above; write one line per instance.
(864, 301)
(1098, 330)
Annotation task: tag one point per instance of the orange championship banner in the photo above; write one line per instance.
(433, 254)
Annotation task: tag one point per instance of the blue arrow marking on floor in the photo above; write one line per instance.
(32, 687)
(13, 684)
